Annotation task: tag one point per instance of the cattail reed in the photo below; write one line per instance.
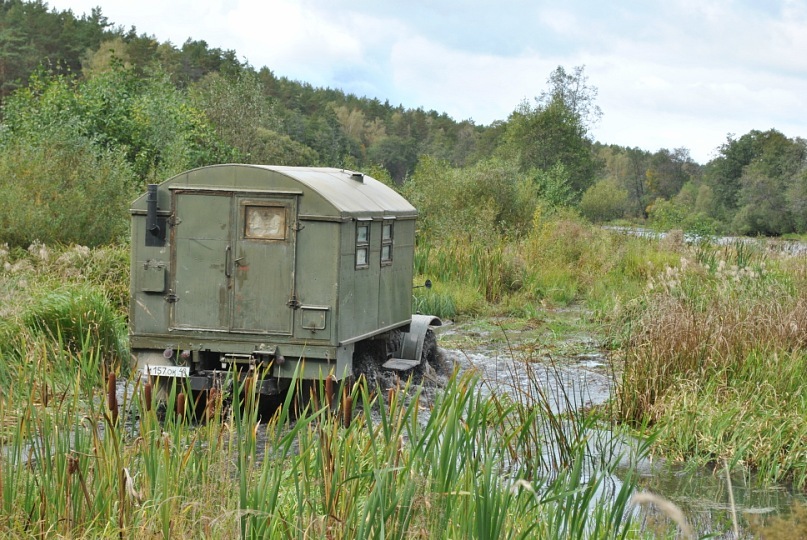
(180, 407)
(112, 397)
(329, 392)
(347, 411)
(212, 404)
(147, 395)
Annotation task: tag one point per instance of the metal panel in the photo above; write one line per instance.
(314, 318)
(151, 277)
(317, 277)
(345, 196)
(234, 262)
(365, 282)
(201, 247)
(264, 264)
(341, 188)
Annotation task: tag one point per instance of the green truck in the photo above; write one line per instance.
(275, 270)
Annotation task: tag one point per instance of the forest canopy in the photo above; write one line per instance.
(91, 112)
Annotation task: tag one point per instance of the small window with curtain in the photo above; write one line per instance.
(362, 244)
(387, 234)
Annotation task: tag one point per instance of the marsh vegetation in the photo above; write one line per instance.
(703, 343)
(705, 346)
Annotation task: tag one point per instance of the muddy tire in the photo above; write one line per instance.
(429, 355)
(367, 360)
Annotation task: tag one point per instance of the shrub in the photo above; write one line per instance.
(604, 201)
(61, 189)
(78, 316)
(503, 199)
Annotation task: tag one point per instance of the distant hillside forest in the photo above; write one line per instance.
(91, 112)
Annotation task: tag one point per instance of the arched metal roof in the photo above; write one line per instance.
(349, 193)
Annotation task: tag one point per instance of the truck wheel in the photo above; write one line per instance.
(429, 355)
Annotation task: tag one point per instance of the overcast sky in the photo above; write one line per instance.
(670, 74)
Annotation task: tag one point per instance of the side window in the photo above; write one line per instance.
(387, 235)
(362, 244)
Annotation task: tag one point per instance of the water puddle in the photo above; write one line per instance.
(580, 374)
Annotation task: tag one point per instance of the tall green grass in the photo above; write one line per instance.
(62, 312)
(714, 353)
(560, 261)
(64, 322)
(72, 467)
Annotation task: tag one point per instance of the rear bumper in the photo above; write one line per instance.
(203, 380)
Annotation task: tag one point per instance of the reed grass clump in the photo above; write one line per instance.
(64, 323)
(40, 267)
(456, 469)
(491, 270)
(78, 315)
(751, 413)
(712, 355)
(438, 302)
(59, 301)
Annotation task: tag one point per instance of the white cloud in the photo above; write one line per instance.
(560, 21)
(482, 87)
(289, 37)
(693, 107)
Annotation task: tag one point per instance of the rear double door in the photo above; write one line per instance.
(233, 261)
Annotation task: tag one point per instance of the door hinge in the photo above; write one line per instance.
(293, 303)
(171, 298)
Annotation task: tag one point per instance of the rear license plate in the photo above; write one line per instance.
(168, 371)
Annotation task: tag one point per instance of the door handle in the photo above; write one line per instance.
(227, 254)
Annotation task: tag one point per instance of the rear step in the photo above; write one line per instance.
(400, 364)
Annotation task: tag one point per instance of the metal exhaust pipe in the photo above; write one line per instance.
(151, 210)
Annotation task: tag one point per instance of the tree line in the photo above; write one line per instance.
(91, 112)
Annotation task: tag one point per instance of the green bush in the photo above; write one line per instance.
(437, 303)
(76, 317)
(604, 201)
(502, 199)
(62, 189)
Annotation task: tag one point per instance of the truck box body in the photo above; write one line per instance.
(254, 263)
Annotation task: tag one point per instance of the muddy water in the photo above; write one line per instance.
(509, 357)
(575, 371)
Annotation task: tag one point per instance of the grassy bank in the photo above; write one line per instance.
(57, 305)
(714, 352)
(561, 261)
